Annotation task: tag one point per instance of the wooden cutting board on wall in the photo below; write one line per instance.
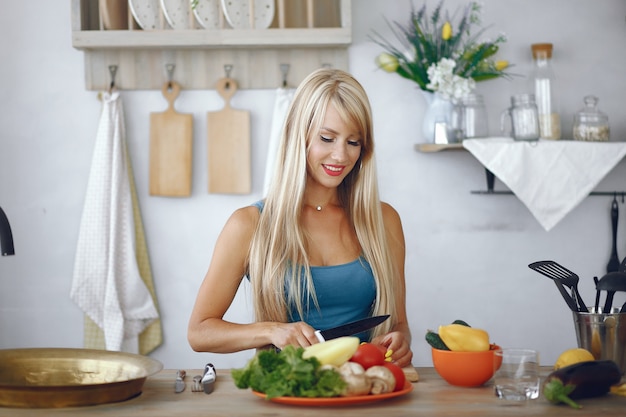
(171, 141)
(228, 134)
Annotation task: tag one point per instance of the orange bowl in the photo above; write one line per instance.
(465, 369)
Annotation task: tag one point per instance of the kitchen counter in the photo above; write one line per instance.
(431, 396)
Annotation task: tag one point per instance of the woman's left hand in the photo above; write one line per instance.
(399, 345)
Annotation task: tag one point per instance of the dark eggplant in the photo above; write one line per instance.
(581, 380)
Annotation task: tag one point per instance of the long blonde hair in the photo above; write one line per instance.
(278, 247)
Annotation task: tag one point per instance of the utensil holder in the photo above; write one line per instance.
(603, 334)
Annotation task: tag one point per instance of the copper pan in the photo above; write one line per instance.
(64, 377)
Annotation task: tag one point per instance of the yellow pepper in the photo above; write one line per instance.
(446, 31)
(463, 338)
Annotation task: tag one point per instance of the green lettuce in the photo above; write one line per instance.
(287, 374)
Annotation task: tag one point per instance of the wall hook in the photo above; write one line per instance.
(284, 69)
(169, 68)
(113, 73)
(227, 69)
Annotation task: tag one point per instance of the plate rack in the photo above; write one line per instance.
(303, 35)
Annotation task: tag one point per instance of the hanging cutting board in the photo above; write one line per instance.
(171, 138)
(228, 134)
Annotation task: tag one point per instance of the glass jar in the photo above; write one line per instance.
(469, 118)
(590, 124)
(523, 116)
(543, 82)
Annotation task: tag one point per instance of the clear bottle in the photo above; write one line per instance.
(543, 82)
(590, 124)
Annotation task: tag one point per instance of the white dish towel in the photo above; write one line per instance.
(550, 177)
(281, 105)
(106, 283)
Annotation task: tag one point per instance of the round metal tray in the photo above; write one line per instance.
(65, 377)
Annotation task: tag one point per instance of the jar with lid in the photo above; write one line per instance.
(469, 118)
(543, 80)
(590, 124)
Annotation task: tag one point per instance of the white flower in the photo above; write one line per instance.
(442, 79)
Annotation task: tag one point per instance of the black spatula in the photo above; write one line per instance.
(614, 264)
(562, 277)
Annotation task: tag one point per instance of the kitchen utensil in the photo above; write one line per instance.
(171, 138)
(611, 282)
(208, 378)
(114, 14)
(597, 303)
(196, 386)
(208, 13)
(350, 328)
(65, 377)
(557, 272)
(179, 385)
(228, 132)
(614, 263)
(238, 13)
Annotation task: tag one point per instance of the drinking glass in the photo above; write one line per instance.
(517, 377)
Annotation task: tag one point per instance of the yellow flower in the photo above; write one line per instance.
(500, 65)
(446, 31)
(387, 62)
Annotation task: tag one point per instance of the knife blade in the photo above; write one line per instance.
(350, 328)
(179, 385)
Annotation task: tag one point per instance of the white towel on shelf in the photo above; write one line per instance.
(281, 105)
(550, 177)
(107, 284)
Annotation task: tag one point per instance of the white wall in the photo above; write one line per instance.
(467, 255)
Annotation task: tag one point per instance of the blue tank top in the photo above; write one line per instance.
(344, 293)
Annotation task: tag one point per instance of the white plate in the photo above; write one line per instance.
(177, 13)
(146, 13)
(208, 13)
(237, 13)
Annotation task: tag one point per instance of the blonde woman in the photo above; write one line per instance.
(322, 249)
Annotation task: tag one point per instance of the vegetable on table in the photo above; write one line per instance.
(382, 379)
(581, 380)
(368, 355)
(333, 352)
(458, 337)
(287, 373)
(357, 383)
(434, 340)
(398, 375)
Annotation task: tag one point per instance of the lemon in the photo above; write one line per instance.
(572, 356)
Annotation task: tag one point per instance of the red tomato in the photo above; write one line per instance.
(398, 374)
(368, 355)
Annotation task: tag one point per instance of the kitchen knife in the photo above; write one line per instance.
(179, 385)
(350, 328)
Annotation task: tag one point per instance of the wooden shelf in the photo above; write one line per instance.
(212, 39)
(433, 147)
(305, 35)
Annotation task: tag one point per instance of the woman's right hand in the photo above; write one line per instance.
(298, 334)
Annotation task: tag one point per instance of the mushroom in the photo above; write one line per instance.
(382, 379)
(357, 383)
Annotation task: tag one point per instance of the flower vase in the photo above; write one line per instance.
(438, 110)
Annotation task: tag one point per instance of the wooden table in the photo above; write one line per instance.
(431, 396)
